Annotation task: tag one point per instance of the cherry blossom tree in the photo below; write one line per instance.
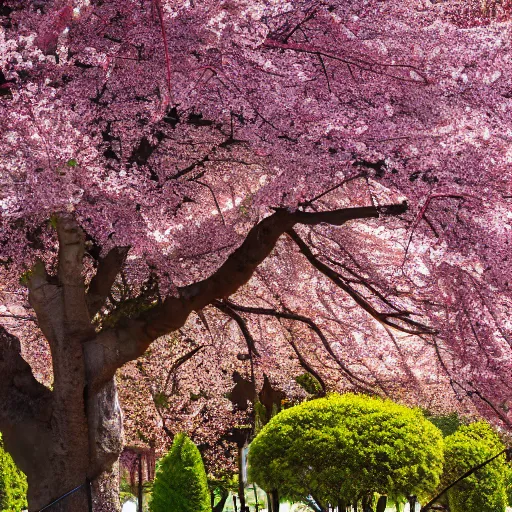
(337, 167)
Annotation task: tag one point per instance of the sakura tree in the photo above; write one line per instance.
(342, 166)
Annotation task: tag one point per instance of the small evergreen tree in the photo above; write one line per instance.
(180, 484)
(13, 484)
(486, 489)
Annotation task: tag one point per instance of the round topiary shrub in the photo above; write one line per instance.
(341, 449)
(13, 484)
(486, 489)
(180, 484)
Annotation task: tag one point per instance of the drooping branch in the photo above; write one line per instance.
(171, 374)
(225, 308)
(131, 337)
(378, 68)
(408, 325)
(106, 273)
(354, 379)
(180, 362)
(306, 366)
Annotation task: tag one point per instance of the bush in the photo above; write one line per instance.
(180, 484)
(309, 383)
(484, 490)
(13, 484)
(346, 447)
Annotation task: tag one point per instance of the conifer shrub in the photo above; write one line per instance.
(486, 489)
(345, 447)
(13, 484)
(180, 483)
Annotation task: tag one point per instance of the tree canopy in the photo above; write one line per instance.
(180, 483)
(331, 179)
(341, 448)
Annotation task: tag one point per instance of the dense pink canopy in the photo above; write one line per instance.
(174, 127)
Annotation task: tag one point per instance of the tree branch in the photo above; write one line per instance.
(225, 308)
(23, 400)
(106, 273)
(69, 273)
(303, 362)
(354, 379)
(409, 326)
(131, 337)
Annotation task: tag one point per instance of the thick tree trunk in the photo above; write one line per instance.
(71, 447)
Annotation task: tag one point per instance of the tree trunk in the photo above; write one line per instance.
(70, 447)
(367, 503)
(275, 501)
(140, 496)
(241, 486)
(105, 491)
(223, 498)
(382, 503)
(269, 502)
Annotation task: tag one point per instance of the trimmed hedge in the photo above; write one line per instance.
(485, 490)
(345, 447)
(180, 484)
(13, 484)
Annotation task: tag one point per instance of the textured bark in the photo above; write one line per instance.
(105, 491)
(63, 438)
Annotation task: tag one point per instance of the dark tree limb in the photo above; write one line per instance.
(19, 390)
(303, 362)
(408, 325)
(129, 340)
(25, 404)
(106, 273)
(469, 472)
(180, 362)
(225, 308)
